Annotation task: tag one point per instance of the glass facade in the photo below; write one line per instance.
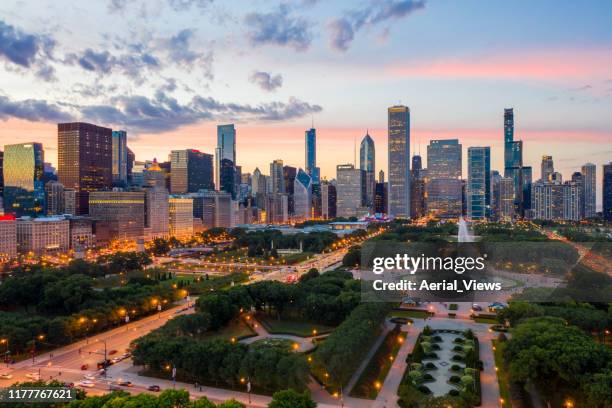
(367, 163)
(311, 151)
(444, 159)
(479, 183)
(226, 149)
(120, 157)
(399, 155)
(24, 190)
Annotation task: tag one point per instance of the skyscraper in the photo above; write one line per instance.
(350, 189)
(506, 199)
(24, 190)
(399, 154)
(289, 174)
(588, 181)
(508, 136)
(84, 160)
(120, 157)
(302, 195)
(123, 212)
(328, 200)
(367, 163)
(226, 149)
(443, 185)
(479, 183)
(607, 192)
(227, 177)
(311, 151)
(1, 174)
(513, 160)
(180, 216)
(191, 170)
(547, 168)
(276, 174)
(444, 159)
(417, 188)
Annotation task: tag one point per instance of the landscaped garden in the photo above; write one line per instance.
(443, 366)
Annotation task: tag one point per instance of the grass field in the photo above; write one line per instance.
(236, 329)
(293, 327)
(419, 314)
(502, 376)
(485, 320)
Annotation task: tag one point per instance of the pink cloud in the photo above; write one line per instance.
(543, 64)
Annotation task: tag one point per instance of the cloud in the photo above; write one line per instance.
(342, 30)
(33, 110)
(278, 28)
(180, 52)
(27, 50)
(183, 5)
(266, 80)
(103, 62)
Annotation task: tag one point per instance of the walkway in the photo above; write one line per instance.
(304, 343)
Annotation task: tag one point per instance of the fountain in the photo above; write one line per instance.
(464, 233)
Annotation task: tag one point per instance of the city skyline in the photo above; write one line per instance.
(273, 70)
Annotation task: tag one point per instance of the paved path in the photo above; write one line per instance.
(304, 343)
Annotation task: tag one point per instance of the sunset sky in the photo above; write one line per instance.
(168, 71)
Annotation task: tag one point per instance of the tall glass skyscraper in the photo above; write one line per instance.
(311, 151)
(24, 190)
(84, 160)
(367, 163)
(399, 156)
(513, 159)
(120, 157)
(226, 149)
(444, 186)
(607, 192)
(479, 183)
(588, 178)
(192, 170)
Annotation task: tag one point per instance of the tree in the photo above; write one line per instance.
(291, 399)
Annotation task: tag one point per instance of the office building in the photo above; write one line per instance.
(590, 194)
(367, 163)
(495, 195)
(8, 238)
(24, 190)
(547, 200)
(85, 160)
(607, 192)
(277, 206)
(131, 158)
(573, 205)
(302, 196)
(226, 149)
(277, 177)
(311, 152)
(227, 177)
(43, 235)
(380, 198)
(350, 189)
(120, 157)
(328, 200)
(506, 199)
(399, 169)
(417, 188)
(444, 159)
(527, 175)
(156, 212)
(180, 220)
(191, 170)
(122, 212)
(154, 176)
(81, 233)
(479, 183)
(54, 198)
(547, 168)
(289, 174)
(70, 201)
(215, 208)
(381, 176)
(443, 186)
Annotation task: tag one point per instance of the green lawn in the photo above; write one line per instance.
(293, 327)
(485, 320)
(502, 376)
(236, 329)
(421, 314)
(374, 374)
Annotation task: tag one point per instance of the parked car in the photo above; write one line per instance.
(125, 383)
(154, 388)
(33, 376)
(110, 353)
(5, 376)
(86, 384)
(89, 377)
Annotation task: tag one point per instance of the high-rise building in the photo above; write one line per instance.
(380, 198)
(350, 187)
(123, 212)
(192, 170)
(24, 190)
(381, 176)
(367, 163)
(607, 192)
(277, 177)
(495, 195)
(54, 198)
(513, 160)
(590, 195)
(289, 174)
(226, 149)
(443, 186)
(311, 152)
(506, 199)
(328, 200)
(131, 158)
(81, 233)
(227, 177)
(547, 168)
(215, 208)
(180, 214)
(84, 160)
(399, 168)
(120, 157)
(527, 175)
(154, 176)
(573, 206)
(444, 159)
(1, 174)
(156, 203)
(277, 207)
(547, 200)
(302, 196)
(43, 235)
(417, 188)
(8, 238)
(479, 183)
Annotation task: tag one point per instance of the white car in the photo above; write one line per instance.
(33, 376)
(86, 384)
(6, 376)
(89, 377)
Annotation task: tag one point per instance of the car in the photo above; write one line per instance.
(84, 367)
(86, 384)
(5, 376)
(110, 353)
(154, 388)
(476, 307)
(125, 383)
(33, 376)
(89, 377)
